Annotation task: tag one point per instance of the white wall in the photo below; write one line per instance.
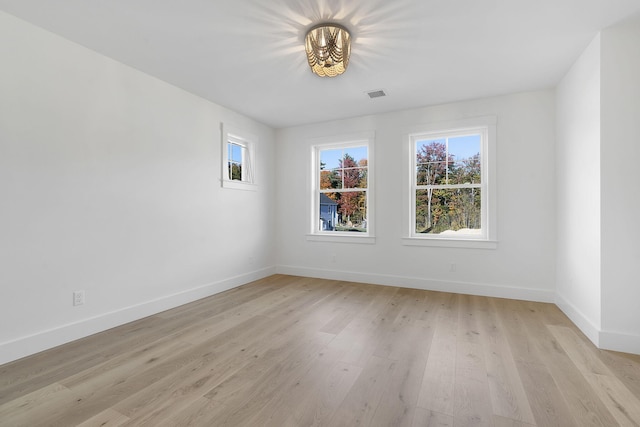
(620, 191)
(109, 181)
(598, 106)
(523, 266)
(578, 191)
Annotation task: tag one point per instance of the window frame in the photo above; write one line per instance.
(246, 141)
(486, 126)
(340, 142)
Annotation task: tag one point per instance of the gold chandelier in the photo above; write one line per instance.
(328, 48)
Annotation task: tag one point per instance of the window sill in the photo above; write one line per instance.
(341, 238)
(450, 243)
(239, 185)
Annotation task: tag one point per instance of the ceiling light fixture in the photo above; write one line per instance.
(328, 48)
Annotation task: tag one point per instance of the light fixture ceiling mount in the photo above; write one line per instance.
(328, 49)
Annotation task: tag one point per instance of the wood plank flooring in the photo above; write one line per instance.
(293, 351)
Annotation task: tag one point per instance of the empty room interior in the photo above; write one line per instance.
(319, 212)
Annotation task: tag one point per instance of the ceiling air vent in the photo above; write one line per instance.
(376, 93)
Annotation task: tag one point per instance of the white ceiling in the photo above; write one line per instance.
(248, 55)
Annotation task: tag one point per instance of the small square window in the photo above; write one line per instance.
(238, 168)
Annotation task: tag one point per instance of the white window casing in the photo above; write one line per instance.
(486, 236)
(365, 139)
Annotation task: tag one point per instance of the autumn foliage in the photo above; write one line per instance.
(449, 195)
(349, 180)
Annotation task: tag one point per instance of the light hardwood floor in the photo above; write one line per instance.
(292, 351)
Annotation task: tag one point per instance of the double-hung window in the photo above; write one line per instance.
(451, 191)
(341, 190)
(238, 160)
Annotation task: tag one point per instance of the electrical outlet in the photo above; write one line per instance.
(453, 267)
(78, 298)
(333, 258)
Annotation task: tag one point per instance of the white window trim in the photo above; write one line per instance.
(488, 240)
(340, 141)
(248, 141)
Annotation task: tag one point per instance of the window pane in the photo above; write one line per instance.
(431, 173)
(358, 154)
(364, 177)
(448, 211)
(343, 211)
(343, 168)
(328, 211)
(329, 179)
(465, 153)
(330, 159)
(431, 161)
(235, 171)
(354, 177)
(235, 152)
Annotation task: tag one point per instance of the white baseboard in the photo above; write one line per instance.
(481, 289)
(616, 341)
(28, 345)
(583, 323)
(605, 340)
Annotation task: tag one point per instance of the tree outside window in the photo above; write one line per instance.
(343, 184)
(448, 184)
(236, 157)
